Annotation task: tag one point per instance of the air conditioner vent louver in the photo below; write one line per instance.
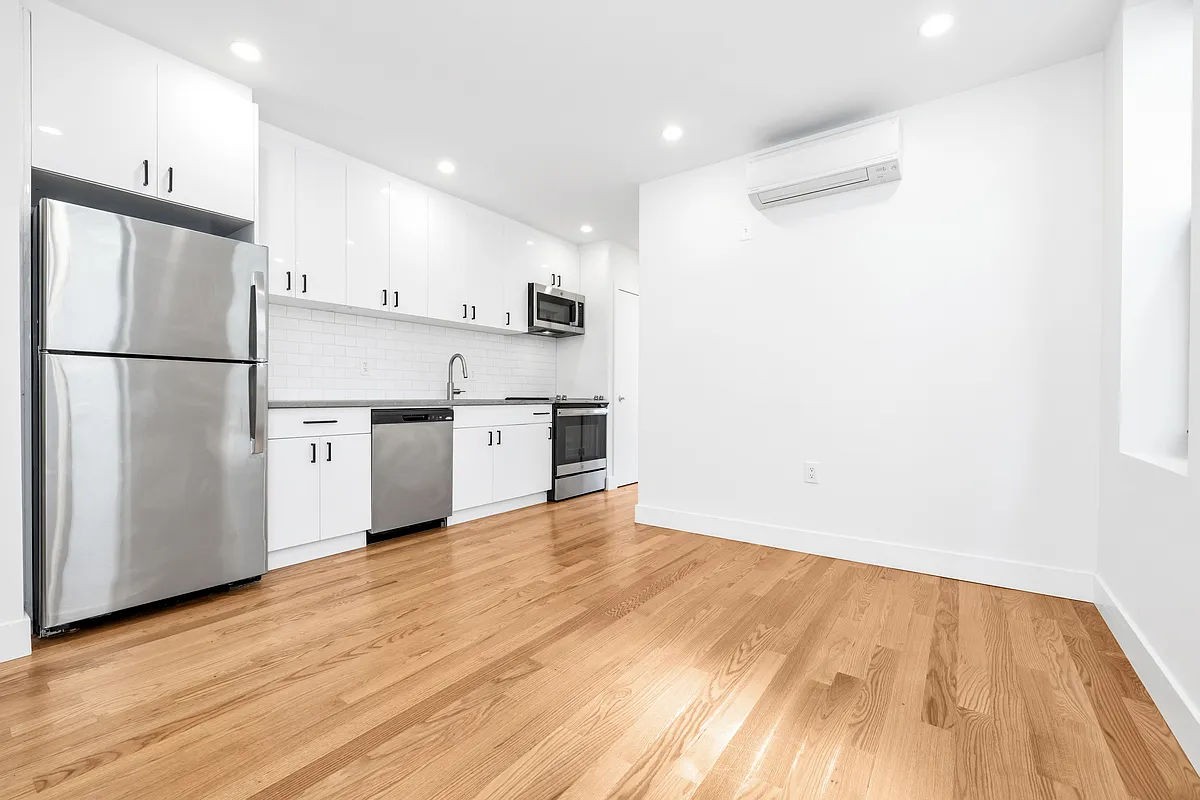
(848, 158)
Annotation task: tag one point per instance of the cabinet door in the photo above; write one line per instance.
(410, 247)
(293, 496)
(448, 248)
(514, 277)
(345, 484)
(473, 448)
(487, 264)
(564, 262)
(320, 224)
(94, 101)
(522, 461)
(207, 140)
(276, 226)
(368, 226)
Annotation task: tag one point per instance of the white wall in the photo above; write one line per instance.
(1156, 194)
(14, 625)
(1149, 545)
(934, 344)
(319, 355)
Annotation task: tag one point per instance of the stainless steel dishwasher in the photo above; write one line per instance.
(412, 467)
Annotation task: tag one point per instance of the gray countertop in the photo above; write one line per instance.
(386, 403)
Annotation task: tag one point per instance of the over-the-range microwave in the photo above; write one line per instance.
(553, 312)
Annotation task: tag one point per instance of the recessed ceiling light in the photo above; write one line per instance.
(585, 228)
(529, 242)
(672, 133)
(446, 166)
(937, 25)
(246, 52)
(49, 130)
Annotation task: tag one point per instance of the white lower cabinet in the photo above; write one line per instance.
(522, 461)
(318, 487)
(499, 462)
(293, 493)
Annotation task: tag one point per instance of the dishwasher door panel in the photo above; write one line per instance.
(411, 474)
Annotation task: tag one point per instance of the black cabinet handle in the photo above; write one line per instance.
(508, 318)
(464, 310)
(313, 460)
(385, 298)
(170, 179)
(498, 439)
(489, 438)
(395, 299)
(329, 451)
(145, 172)
(472, 312)
(320, 422)
(304, 283)
(560, 280)
(549, 433)
(551, 278)
(289, 280)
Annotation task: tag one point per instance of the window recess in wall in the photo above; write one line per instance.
(1156, 218)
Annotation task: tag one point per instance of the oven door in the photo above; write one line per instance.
(580, 440)
(554, 311)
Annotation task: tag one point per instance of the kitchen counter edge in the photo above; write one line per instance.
(385, 403)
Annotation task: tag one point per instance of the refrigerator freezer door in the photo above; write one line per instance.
(121, 285)
(151, 484)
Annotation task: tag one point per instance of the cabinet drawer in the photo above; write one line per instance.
(290, 423)
(496, 416)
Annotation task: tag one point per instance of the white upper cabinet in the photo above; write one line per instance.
(276, 226)
(345, 232)
(207, 136)
(409, 247)
(112, 110)
(320, 224)
(368, 238)
(95, 101)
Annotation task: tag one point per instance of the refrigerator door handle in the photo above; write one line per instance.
(258, 407)
(258, 317)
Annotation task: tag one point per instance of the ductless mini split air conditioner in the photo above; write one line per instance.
(853, 157)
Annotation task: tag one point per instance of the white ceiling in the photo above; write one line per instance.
(552, 109)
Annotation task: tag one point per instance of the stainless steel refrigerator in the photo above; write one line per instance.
(150, 412)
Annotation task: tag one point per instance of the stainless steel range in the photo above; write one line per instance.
(580, 447)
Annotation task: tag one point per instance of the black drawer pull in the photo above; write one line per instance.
(320, 422)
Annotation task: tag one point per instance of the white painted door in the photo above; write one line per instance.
(565, 263)
(320, 224)
(207, 140)
(368, 234)
(625, 384)
(293, 493)
(515, 276)
(94, 101)
(486, 265)
(276, 226)
(345, 484)
(522, 461)
(409, 262)
(473, 449)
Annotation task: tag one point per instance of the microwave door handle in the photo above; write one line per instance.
(574, 313)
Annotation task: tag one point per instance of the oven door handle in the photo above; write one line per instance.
(583, 412)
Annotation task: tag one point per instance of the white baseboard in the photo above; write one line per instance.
(1075, 584)
(313, 550)
(479, 512)
(15, 638)
(1180, 712)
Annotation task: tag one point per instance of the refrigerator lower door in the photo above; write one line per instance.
(153, 484)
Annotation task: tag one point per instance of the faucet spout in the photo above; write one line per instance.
(450, 390)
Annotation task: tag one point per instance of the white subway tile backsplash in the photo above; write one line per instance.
(319, 355)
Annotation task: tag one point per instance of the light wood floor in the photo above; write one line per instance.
(562, 651)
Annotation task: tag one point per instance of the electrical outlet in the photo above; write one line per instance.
(746, 234)
(811, 468)
(364, 368)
